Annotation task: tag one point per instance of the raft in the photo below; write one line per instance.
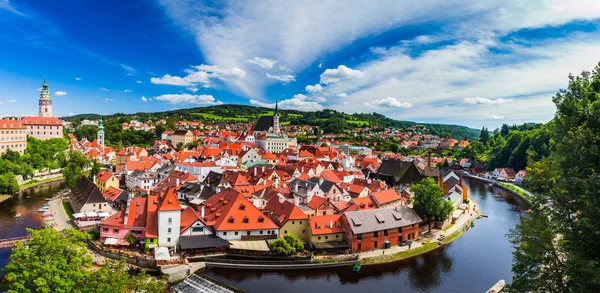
(472, 224)
(356, 267)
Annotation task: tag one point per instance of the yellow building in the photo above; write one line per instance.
(13, 136)
(326, 228)
(104, 180)
(290, 219)
(181, 136)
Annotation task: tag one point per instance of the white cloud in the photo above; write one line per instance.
(340, 73)
(71, 113)
(314, 88)
(127, 91)
(60, 93)
(139, 81)
(12, 101)
(388, 102)
(5, 4)
(188, 99)
(130, 70)
(479, 100)
(144, 99)
(192, 89)
(262, 62)
(109, 100)
(285, 78)
(494, 116)
(104, 89)
(77, 78)
(298, 102)
(342, 95)
(200, 74)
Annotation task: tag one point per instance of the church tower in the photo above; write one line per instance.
(45, 101)
(276, 120)
(100, 137)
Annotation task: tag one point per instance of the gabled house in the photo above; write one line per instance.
(321, 206)
(504, 174)
(87, 198)
(105, 180)
(290, 219)
(386, 198)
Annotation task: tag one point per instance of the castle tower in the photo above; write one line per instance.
(100, 137)
(45, 101)
(276, 120)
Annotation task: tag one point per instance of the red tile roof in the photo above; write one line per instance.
(385, 196)
(321, 225)
(104, 176)
(281, 212)
(14, 124)
(188, 218)
(169, 202)
(36, 120)
(228, 210)
(151, 217)
(111, 193)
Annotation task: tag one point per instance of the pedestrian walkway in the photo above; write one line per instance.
(468, 217)
(62, 219)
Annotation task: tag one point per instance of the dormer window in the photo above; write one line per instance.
(245, 220)
(261, 219)
(231, 220)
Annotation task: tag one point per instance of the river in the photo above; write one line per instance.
(30, 218)
(472, 263)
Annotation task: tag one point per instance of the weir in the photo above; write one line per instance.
(202, 283)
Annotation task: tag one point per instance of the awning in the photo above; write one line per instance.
(122, 242)
(78, 215)
(162, 253)
(463, 206)
(457, 213)
(256, 245)
(103, 215)
(92, 214)
(330, 244)
(196, 201)
(202, 241)
(111, 241)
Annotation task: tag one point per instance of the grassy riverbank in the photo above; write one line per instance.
(4, 197)
(516, 189)
(33, 183)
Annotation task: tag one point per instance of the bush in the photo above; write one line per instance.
(288, 245)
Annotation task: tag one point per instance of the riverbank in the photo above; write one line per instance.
(4, 197)
(379, 257)
(34, 183)
(527, 198)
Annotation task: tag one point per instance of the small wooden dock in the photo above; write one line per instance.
(11, 242)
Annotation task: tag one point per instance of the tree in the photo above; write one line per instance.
(484, 135)
(179, 146)
(569, 226)
(445, 210)
(288, 245)
(131, 239)
(8, 183)
(294, 242)
(95, 169)
(504, 130)
(55, 261)
(428, 199)
(76, 164)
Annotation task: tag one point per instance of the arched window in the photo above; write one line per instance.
(46, 110)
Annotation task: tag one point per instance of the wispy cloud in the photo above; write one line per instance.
(479, 100)
(127, 91)
(139, 81)
(60, 93)
(201, 75)
(12, 101)
(130, 70)
(297, 102)
(285, 78)
(5, 4)
(174, 99)
(104, 89)
(390, 102)
(144, 99)
(262, 62)
(109, 100)
(77, 78)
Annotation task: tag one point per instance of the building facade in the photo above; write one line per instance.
(43, 127)
(13, 136)
(45, 103)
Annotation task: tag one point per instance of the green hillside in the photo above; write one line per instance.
(329, 121)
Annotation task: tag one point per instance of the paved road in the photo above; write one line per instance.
(62, 219)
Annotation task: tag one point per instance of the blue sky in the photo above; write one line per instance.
(473, 63)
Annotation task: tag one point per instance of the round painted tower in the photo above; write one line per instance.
(45, 101)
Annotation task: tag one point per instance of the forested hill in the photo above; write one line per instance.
(330, 121)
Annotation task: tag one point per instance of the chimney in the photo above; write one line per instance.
(176, 181)
(330, 223)
(429, 160)
(321, 180)
(296, 188)
(202, 211)
(255, 171)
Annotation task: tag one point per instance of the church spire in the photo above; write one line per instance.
(276, 102)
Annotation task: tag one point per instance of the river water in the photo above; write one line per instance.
(472, 263)
(27, 202)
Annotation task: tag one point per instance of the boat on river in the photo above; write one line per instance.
(356, 267)
(18, 215)
(42, 210)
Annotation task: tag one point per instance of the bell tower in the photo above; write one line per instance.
(100, 137)
(276, 119)
(45, 101)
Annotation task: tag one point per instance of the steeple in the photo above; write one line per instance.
(276, 119)
(276, 102)
(100, 137)
(45, 103)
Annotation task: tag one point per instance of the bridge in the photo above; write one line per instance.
(11, 242)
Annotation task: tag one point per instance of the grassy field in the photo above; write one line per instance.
(38, 182)
(448, 227)
(359, 122)
(68, 209)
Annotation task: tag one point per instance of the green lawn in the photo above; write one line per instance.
(448, 227)
(359, 122)
(515, 189)
(295, 115)
(68, 209)
(400, 255)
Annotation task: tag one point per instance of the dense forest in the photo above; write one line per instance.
(116, 136)
(329, 121)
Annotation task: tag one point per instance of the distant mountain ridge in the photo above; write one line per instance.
(330, 121)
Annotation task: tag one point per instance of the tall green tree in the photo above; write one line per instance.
(76, 165)
(428, 199)
(484, 135)
(573, 186)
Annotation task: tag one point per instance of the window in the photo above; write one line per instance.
(105, 230)
(359, 237)
(293, 222)
(115, 230)
(261, 232)
(303, 231)
(300, 222)
(236, 233)
(169, 231)
(285, 232)
(170, 221)
(337, 236)
(375, 245)
(319, 238)
(385, 232)
(399, 230)
(224, 233)
(168, 239)
(326, 237)
(375, 234)
(198, 229)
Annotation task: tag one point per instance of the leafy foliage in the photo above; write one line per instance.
(288, 245)
(428, 201)
(76, 164)
(55, 261)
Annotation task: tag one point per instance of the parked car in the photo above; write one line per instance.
(441, 238)
(406, 242)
